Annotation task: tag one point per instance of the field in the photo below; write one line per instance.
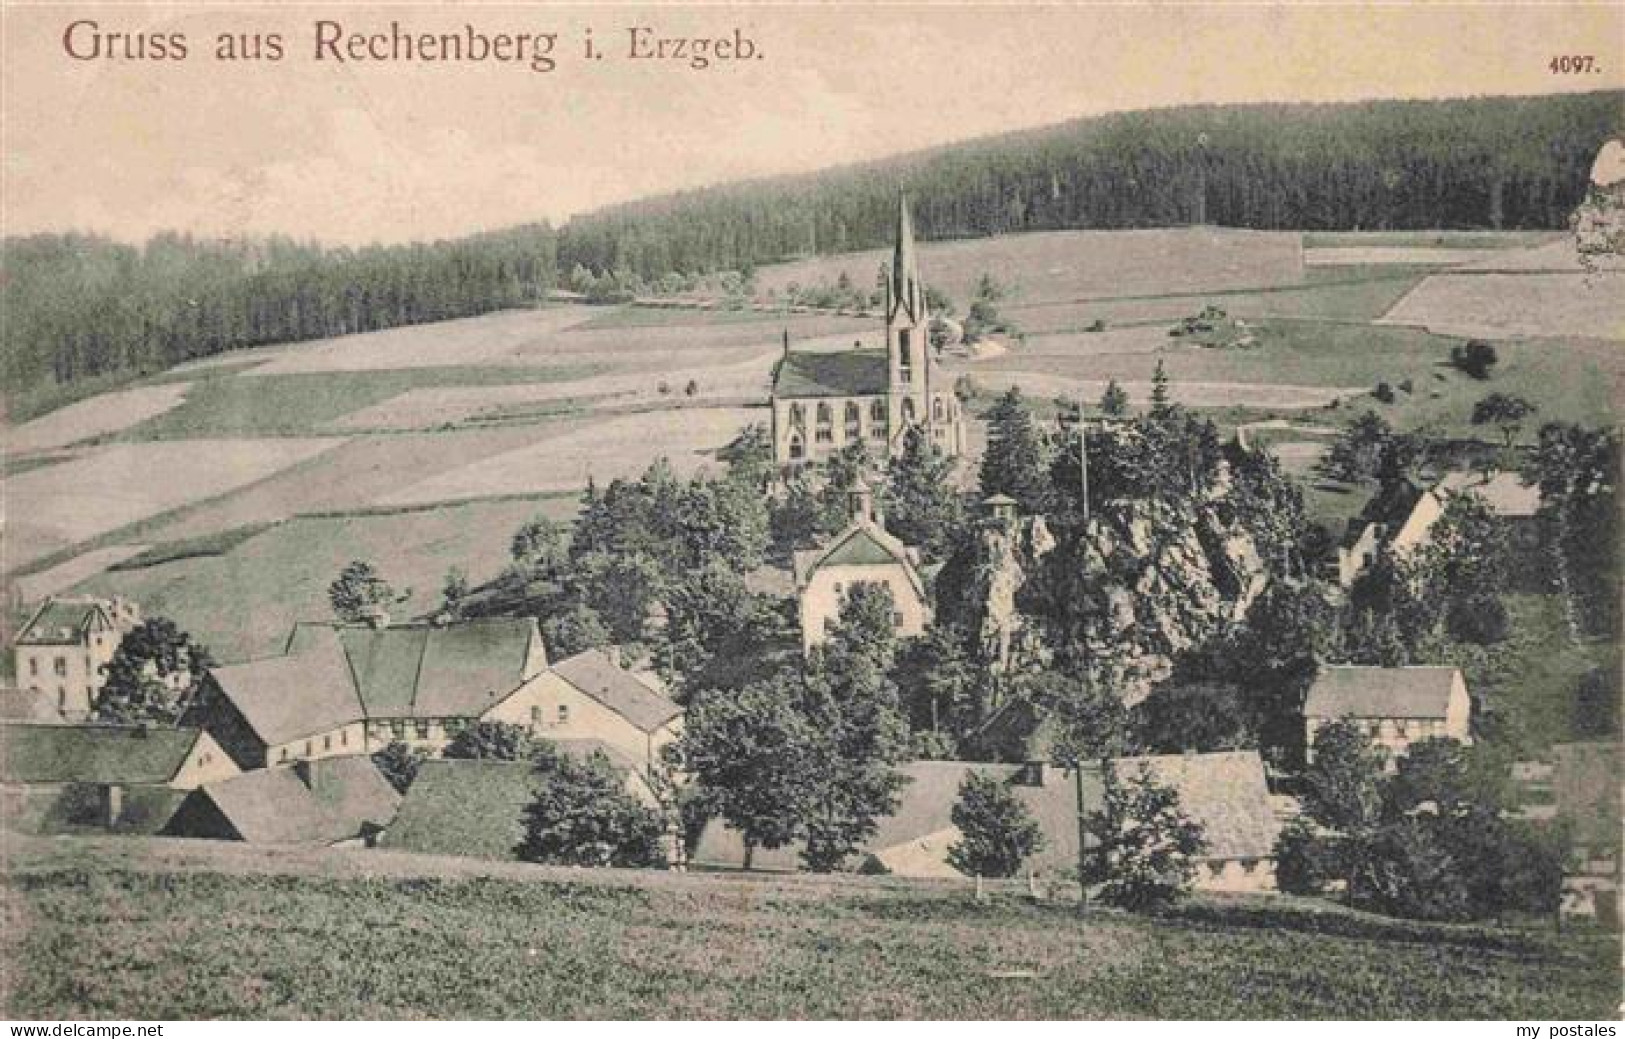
(242, 603)
(187, 930)
(235, 486)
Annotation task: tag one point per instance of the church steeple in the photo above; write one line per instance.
(907, 294)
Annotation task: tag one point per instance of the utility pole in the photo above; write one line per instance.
(1077, 763)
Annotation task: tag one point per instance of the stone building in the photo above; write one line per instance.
(64, 647)
(824, 401)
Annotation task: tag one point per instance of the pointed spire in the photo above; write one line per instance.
(906, 290)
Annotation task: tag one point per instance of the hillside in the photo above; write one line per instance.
(1514, 162)
(224, 930)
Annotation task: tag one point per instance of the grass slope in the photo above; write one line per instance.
(216, 932)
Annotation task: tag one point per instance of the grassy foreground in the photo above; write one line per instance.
(165, 929)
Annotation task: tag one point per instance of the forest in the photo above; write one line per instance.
(85, 311)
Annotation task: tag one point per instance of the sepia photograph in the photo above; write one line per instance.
(811, 511)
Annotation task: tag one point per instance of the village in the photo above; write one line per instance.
(1090, 648)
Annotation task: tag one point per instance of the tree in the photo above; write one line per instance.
(750, 457)
(153, 675)
(998, 833)
(752, 751)
(1466, 563)
(1577, 472)
(1505, 412)
(1161, 403)
(1114, 401)
(1356, 455)
(621, 589)
(1147, 844)
(919, 501)
(359, 594)
(399, 762)
(1016, 461)
(573, 630)
(492, 741)
(540, 546)
(1476, 358)
(454, 589)
(582, 815)
(1342, 787)
(1199, 716)
(941, 688)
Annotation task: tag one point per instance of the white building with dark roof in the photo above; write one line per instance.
(1394, 706)
(591, 697)
(862, 553)
(825, 401)
(63, 649)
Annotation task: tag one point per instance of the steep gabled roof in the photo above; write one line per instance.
(277, 806)
(862, 543)
(1380, 692)
(595, 675)
(458, 670)
(847, 373)
(307, 691)
(63, 622)
(123, 754)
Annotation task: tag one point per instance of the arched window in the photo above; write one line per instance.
(798, 417)
(877, 410)
(824, 414)
(908, 409)
(798, 450)
(938, 413)
(854, 414)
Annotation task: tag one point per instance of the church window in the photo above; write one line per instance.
(908, 409)
(798, 417)
(825, 435)
(854, 414)
(877, 411)
(825, 416)
(937, 411)
(798, 450)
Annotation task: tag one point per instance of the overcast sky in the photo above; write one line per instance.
(388, 152)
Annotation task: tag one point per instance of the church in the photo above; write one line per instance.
(824, 400)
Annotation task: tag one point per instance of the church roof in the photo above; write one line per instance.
(906, 291)
(849, 373)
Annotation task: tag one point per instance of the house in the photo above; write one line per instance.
(590, 697)
(349, 689)
(1225, 792)
(1402, 516)
(1394, 706)
(329, 801)
(863, 553)
(477, 808)
(88, 778)
(824, 401)
(65, 645)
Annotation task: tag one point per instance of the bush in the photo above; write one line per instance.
(492, 741)
(399, 763)
(1476, 358)
(1384, 393)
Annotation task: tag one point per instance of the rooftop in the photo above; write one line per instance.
(63, 622)
(1381, 692)
(123, 754)
(846, 373)
(277, 806)
(1505, 493)
(596, 675)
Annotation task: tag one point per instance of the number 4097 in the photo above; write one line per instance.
(1573, 64)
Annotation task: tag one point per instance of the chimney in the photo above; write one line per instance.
(112, 804)
(306, 770)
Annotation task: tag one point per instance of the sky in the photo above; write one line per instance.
(357, 152)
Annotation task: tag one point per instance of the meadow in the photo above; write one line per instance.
(470, 424)
(180, 929)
